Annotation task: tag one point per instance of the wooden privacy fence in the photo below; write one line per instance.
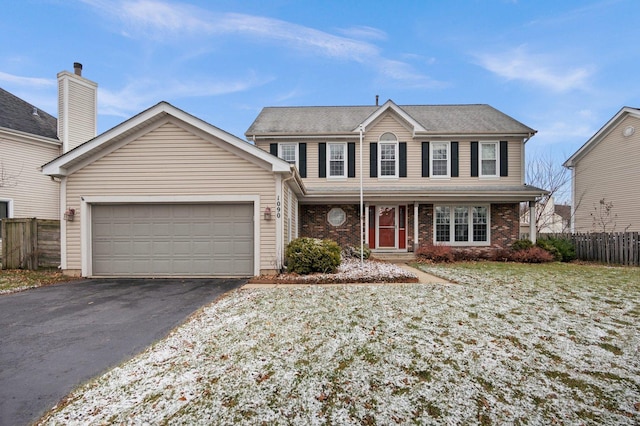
(621, 248)
(30, 243)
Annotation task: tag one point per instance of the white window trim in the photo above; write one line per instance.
(470, 224)
(432, 159)
(296, 150)
(397, 160)
(497, 145)
(346, 162)
(9, 202)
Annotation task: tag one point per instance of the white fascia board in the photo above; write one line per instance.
(277, 164)
(58, 167)
(29, 137)
(600, 134)
(417, 127)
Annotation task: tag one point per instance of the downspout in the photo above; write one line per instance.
(361, 203)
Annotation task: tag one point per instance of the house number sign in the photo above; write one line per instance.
(278, 207)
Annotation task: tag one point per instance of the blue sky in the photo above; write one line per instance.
(562, 67)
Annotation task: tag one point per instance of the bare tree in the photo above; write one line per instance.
(546, 173)
(604, 219)
(8, 179)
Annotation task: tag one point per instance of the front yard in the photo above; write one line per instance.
(511, 343)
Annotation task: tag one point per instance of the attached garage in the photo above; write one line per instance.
(165, 194)
(172, 239)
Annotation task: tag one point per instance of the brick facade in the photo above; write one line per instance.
(505, 225)
(314, 223)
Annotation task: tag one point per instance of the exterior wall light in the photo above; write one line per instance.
(267, 213)
(69, 214)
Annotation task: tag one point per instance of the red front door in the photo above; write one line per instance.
(387, 227)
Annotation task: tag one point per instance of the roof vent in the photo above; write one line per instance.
(377, 100)
(35, 111)
(77, 68)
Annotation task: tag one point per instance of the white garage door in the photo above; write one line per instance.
(172, 239)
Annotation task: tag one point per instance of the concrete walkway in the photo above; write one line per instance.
(423, 278)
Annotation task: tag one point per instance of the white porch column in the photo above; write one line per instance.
(416, 223)
(532, 221)
(366, 224)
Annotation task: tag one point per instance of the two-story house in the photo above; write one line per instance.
(167, 194)
(429, 174)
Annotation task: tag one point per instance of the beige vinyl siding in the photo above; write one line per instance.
(391, 123)
(171, 161)
(33, 193)
(610, 170)
(77, 123)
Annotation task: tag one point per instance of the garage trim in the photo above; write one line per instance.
(87, 201)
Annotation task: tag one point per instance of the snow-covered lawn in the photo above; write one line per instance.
(349, 271)
(509, 344)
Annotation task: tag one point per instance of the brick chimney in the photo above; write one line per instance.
(77, 108)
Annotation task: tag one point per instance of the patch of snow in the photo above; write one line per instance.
(502, 348)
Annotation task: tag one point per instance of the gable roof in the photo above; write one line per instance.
(426, 119)
(109, 140)
(601, 134)
(17, 114)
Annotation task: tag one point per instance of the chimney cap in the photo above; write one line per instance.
(77, 68)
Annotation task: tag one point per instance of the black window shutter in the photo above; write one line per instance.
(474, 159)
(454, 160)
(425, 159)
(273, 149)
(351, 159)
(302, 159)
(403, 159)
(504, 159)
(373, 159)
(322, 159)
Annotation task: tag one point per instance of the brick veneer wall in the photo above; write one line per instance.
(314, 223)
(505, 224)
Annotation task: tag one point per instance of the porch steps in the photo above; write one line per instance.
(404, 257)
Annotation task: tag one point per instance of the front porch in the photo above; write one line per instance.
(403, 227)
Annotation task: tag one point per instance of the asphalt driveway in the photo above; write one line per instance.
(54, 338)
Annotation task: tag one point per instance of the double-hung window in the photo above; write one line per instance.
(388, 157)
(461, 225)
(337, 159)
(288, 152)
(489, 159)
(440, 156)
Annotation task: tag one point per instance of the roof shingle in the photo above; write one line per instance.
(436, 119)
(17, 114)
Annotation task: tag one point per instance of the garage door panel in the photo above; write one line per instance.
(172, 239)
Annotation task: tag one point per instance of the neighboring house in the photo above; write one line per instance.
(431, 174)
(28, 137)
(606, 168)
(551, 218)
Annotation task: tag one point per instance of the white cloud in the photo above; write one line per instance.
(542, 70)
(164, 20)
(26, 81)
(363, 32)
(142, 94)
